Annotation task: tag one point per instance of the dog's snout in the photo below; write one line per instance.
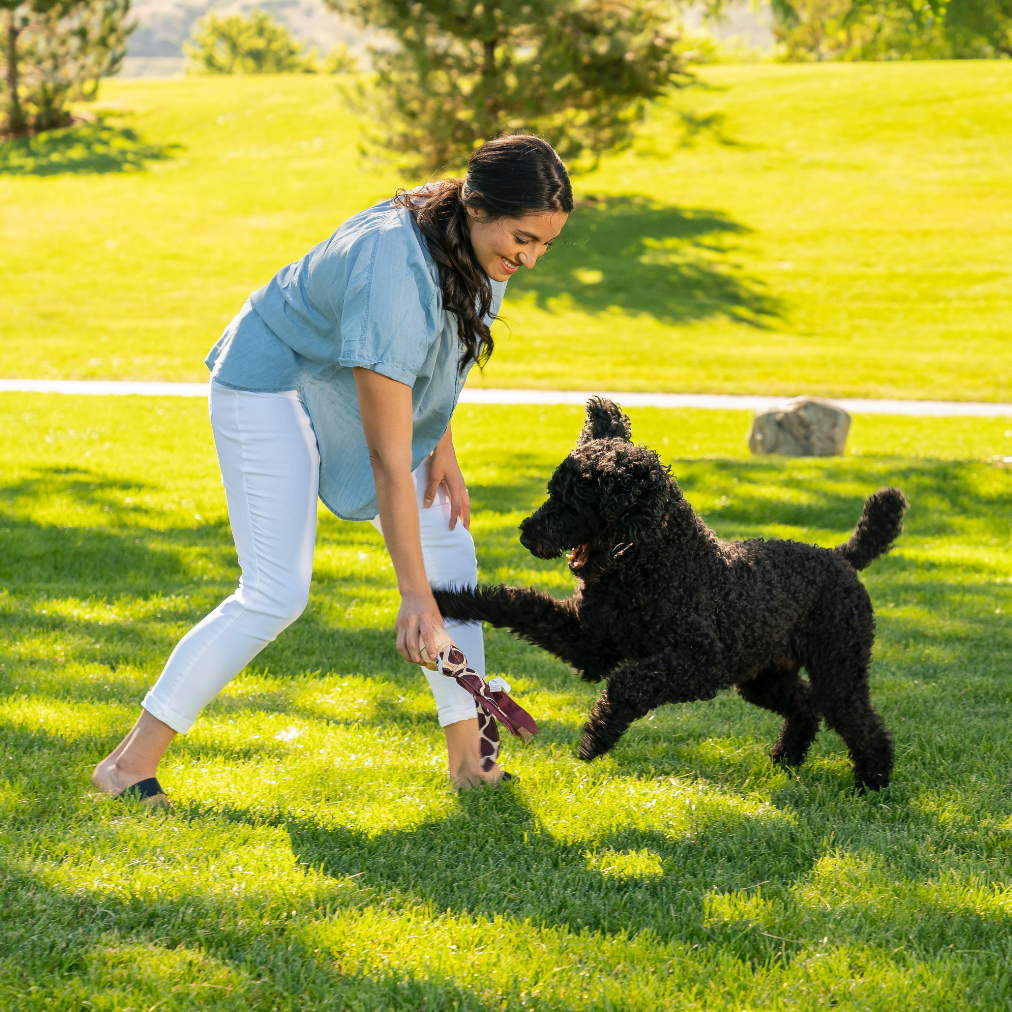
(537, 546)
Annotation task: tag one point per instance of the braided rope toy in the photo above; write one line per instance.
(491, 698)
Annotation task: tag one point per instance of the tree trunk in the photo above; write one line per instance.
(15, 114)
(488, 74)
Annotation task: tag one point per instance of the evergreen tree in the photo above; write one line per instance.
(579, 72)
(55, 51)
(20, 16)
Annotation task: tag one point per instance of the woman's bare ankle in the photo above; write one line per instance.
(137, 756)
(471, 776)
(113, 776)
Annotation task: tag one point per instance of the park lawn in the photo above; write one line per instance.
(317, 859)
(836, 229)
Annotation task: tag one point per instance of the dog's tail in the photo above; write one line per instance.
(879, 526)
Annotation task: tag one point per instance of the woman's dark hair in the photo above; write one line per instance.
(506, 178)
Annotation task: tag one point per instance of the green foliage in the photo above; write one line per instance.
(54, 52)
(977, 28)
(316, 858)
(340, 60)
(254, 45)
(579, 72)
(892, 29)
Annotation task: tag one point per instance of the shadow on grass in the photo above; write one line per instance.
(122, 555)
(457, 863)
(636, 255)
(734, 888)
(270, 965)
(102, 146)
(946, 497)
(493, 857)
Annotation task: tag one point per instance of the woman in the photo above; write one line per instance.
(338, 378)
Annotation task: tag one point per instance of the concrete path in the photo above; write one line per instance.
(481, 395)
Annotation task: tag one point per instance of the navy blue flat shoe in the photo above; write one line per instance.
(143, 790)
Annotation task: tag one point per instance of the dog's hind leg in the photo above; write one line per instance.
(837, 663)
(779, 688)
(679, 675)
(868, 741)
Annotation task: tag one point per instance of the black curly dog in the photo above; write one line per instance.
(669, 613)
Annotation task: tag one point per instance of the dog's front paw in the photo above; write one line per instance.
(598, 737)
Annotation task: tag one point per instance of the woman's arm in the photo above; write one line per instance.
(385, 407)
(444, 470)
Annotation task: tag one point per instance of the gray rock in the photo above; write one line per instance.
(803, 427)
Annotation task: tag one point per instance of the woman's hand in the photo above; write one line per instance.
(419, 625)
(444, 470)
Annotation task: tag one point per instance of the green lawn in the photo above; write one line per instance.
(316, 857)
(838, 229)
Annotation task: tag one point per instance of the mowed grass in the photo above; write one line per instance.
(832, 229)
(316, 857)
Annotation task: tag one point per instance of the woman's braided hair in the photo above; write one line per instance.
(506, 178)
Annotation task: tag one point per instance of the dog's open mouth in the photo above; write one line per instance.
(578, 556)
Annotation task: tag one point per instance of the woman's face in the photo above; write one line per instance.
(504, 246)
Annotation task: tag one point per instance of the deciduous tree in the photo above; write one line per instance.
(893, 29)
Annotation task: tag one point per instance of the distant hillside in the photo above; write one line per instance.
(165, 24)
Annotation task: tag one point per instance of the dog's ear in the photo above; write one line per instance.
(637, 500)
(605, 420)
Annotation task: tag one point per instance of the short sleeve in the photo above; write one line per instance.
(392, 310)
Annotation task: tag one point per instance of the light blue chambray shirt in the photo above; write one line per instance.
(368, 296)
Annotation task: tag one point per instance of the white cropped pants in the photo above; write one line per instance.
(270, 466)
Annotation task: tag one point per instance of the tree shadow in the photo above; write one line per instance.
(742, 887)
(946, 497)
(456, 863)
(99, 146)
(492, 856)
(711, 126)
(639, 256)
(268, 957)
(117, 557)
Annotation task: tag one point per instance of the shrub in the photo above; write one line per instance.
(253, 45)
(340, 60)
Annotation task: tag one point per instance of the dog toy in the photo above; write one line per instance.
(491, 698)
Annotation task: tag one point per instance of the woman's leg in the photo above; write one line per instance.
(450, 562)
(270, 467)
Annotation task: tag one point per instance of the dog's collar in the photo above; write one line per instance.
(623, 546)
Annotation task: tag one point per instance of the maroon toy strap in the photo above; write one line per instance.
(497, 704)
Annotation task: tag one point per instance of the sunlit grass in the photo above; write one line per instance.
(839, 229)
(316, 857)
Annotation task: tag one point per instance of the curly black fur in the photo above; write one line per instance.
(669, 613)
